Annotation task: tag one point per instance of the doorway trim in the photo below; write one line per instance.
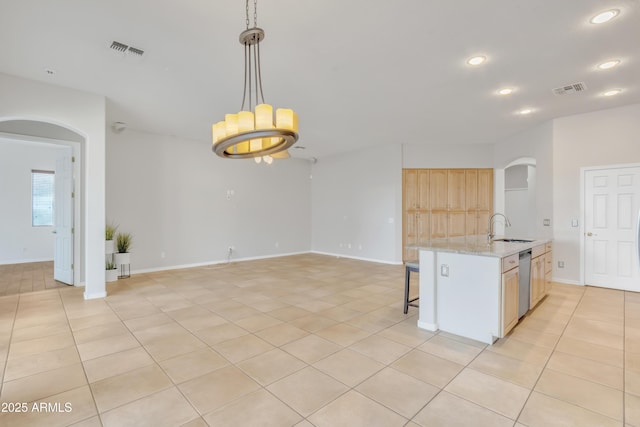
(583, 172)
(76, 147)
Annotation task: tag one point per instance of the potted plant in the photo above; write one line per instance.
(111, 272)
(109, 234)
(123, 243)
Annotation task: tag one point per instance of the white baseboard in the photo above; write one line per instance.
(215, 262)
(567, 281)
(379, 261)
(24, 261)
(428, 326)
(95, 296)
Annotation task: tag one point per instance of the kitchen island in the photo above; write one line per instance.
(470, 286)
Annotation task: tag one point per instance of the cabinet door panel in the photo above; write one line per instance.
(471, 226)
(438, 224)
(410, 228)
(471, 189)
(537, 280)
(485, 189)
(456, 189)
(438, 189)
(423, 189)
(510, 300)
(410, 188)
(456, 224)
(423, 224)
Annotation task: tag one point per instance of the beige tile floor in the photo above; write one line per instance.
(27, 277)
(308, 340)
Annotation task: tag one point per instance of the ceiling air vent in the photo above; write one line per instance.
(568, 89)
(119, 47)
(136, 51)
(126, 49)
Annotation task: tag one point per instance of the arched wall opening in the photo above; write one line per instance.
(83, 114)
(44, 138)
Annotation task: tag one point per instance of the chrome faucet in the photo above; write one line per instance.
(490, 233)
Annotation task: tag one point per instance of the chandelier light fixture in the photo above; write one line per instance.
(252, 132)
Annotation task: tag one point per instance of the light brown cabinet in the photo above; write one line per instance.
(415, 218)
(541, 263)
(510, 291)
(439, 203)
(548, 268)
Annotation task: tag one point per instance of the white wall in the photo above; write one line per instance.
(19, 240)
(83, 113)
(605, 137)
(171, 195)
(447, 156)
(357, 200)
(536, 143)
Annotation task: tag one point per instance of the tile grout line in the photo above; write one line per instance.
(551, 355)
(66, 315)
(6, 358)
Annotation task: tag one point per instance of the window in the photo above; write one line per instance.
(42, 198)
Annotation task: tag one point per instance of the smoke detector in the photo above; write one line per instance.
(570, 88)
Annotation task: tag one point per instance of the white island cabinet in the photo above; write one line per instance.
(467, 286)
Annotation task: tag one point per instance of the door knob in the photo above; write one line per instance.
(591, 234)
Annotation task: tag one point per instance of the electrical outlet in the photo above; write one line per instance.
(560, 264)
(546, 222)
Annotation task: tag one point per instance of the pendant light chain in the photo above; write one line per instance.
(255, 13)
(247, 9)
(249, 133)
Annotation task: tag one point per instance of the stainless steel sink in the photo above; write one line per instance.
(513, 240)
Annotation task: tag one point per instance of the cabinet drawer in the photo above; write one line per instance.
(537, 251)
(510, 262)
(548, 247)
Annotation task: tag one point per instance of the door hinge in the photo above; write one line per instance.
(73, 230)
(73, 194)
(73, 159)
(72, 266)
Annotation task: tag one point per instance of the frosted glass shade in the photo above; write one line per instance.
(286, 119)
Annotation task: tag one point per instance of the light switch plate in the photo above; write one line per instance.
(546, 222)
(444, 270)
(574, 222)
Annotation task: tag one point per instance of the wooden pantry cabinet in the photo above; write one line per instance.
(441, 203)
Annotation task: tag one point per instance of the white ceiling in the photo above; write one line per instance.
(359, 73)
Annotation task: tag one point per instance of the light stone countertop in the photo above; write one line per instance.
(478, 245)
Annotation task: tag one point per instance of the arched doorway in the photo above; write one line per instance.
(515, 191)
(32, 148)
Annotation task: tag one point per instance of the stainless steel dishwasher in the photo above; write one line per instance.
(524, 273)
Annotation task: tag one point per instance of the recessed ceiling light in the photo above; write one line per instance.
(525, 111)
(476, 60)
(612, 92)
(609, 64)
(505, 91)
(606, 16)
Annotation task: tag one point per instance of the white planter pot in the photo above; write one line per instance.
(122, 258)
(109, 247)
(111, 275)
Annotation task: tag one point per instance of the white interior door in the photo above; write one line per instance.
(63, 214)
(612, 205)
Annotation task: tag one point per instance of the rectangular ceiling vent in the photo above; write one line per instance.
(136, 51)
(123, 48)
(572, 88)
(119, 47)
